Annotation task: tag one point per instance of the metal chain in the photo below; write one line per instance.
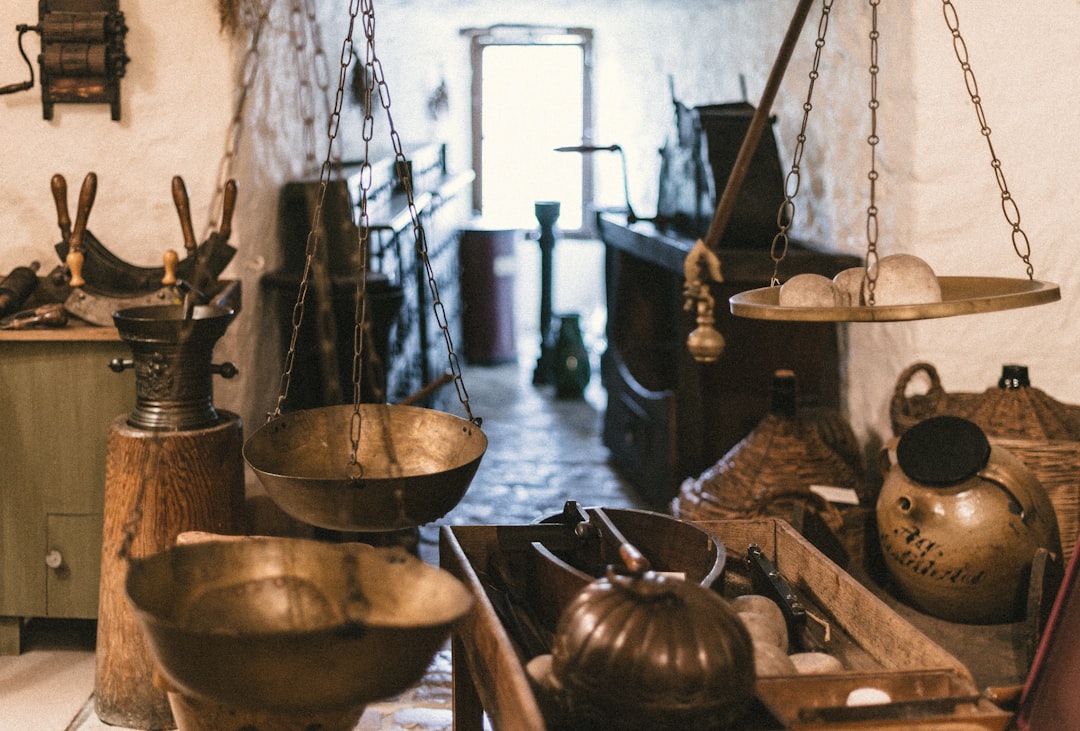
(305, 98)
(313, 70)
(367, 132)
(332, 127)
(872, 140)
(785, 216)
(249, 68)
(304, 33)
(401, 165)
(1021, 244)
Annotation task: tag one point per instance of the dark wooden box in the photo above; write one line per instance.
(930, 688)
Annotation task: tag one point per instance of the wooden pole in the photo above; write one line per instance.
(758, 122)
(180, 481)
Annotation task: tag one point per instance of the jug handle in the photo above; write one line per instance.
(887, 455)
(1005, 475)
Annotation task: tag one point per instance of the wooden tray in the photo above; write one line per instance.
(877, 646)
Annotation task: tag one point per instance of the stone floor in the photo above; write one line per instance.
(542, 451)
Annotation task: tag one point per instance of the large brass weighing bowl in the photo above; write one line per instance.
(415, 465)
(292, 625)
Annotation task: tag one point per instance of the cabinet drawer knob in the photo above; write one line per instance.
(54, 559)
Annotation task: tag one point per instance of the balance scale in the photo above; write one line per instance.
(200, 629)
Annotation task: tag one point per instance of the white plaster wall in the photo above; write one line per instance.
(161, 133)
(937, 194)
(953, 208)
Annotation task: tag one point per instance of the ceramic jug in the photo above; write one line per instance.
(960, 522)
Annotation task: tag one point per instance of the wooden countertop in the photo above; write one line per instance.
(70, 333)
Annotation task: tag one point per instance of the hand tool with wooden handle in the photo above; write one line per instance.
(107, 274)
(50, 315)
(228, 205)
(633, 559)
(183, 208)
(97, 309)
(17, 286)
(82, 213)
(63, 218)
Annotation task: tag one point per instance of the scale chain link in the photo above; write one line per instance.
(249, 68)
(333, 124)
(785, 216)
(1021, 244)
(873, 139)
(401, 163)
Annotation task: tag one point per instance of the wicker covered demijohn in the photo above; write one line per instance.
(1014, 409)
(776, 464)
(1042, 431)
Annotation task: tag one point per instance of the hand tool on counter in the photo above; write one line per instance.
(109, 274)
(97, 309)
(50, 315)
(91, 306)
(17, 286)
(75, 258)
(95, 303)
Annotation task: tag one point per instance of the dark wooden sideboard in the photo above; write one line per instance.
(669, 417)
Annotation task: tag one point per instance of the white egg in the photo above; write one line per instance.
(868, 697)
(809, 290)
(848, 285)
(763, 628)
(904, 279)
(762, 605)
(815, 663)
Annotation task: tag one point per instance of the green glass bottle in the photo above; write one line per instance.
(571, 362)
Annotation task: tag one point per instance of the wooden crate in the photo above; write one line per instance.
(877, 646)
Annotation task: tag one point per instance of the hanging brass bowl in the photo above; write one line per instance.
(415, 464)
(959, 296)
(292, 625)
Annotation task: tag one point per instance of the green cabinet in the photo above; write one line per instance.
(57, 400)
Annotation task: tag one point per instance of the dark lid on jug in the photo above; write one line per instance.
(942, 450)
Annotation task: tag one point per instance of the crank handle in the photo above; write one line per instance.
(225, 370)
(14, 88)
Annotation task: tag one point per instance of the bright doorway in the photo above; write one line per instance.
(532, 92)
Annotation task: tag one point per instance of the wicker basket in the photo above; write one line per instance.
(1010, 413)
(1041, 431)
(769, 473)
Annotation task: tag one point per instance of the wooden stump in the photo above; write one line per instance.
(181, 481)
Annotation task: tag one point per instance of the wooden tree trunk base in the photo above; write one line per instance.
(181, 481)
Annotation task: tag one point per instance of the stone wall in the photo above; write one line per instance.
(938, 196)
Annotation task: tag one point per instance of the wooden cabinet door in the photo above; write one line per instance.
(57, 400)
(72, 562)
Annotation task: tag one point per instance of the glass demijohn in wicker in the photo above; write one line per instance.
(775, 465)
